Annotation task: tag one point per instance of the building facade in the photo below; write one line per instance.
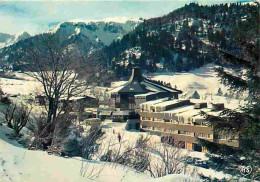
(180, 122)
(125, 97)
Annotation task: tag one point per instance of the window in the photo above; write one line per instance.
(219, 137)
(184, 133)
(202, 135)
(166, 120)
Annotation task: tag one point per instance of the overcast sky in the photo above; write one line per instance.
(38, 16)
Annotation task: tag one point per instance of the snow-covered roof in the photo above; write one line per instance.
(154, 101)
(169, 102)
(146, 94)
(116, 89)
(181, 109)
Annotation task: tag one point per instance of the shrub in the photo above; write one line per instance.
(5, 100)
(72, 148)
(17, 117)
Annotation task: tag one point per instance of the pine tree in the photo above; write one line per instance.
(179, 63)
(244, 122)
(195, 95)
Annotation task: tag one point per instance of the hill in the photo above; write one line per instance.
(6, 39)
(184, 39)
(86, 35)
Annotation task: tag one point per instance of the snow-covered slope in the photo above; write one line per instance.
(19, 165)
(102, 31)
(21, 36)
(6, 39)
(203, 79)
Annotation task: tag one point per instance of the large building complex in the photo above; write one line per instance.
(181, 120)
(161, 112)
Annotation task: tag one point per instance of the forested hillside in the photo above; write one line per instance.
(86, 36)
(184, 39)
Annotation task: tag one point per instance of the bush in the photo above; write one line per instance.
(72, 148)
(5, 100)
(17, 117)
(86, 146)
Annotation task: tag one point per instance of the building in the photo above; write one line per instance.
(78, 104)
(180, 120)
(125, 97)
(123, 116)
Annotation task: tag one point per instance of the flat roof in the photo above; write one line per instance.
(187, 111)
(155, 101)
(180, 109)
(170, 102)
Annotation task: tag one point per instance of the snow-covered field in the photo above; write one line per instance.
(21, 84)
(18, 164)
(129, 138)
(203, 79)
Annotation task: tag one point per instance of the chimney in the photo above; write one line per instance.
(136, 75)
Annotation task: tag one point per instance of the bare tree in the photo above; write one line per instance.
(9, 115)
(56, 65)
(17, 117)
(169, 160)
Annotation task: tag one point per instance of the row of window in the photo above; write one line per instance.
(201, 135)
(177, 121)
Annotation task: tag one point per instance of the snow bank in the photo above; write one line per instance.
(18, 165)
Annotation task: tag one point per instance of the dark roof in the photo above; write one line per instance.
(133, 87)
(138, 84)
(134, 84)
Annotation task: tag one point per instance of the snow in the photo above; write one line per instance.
(118, 84)
(14, 39)
(77, 30)
(130, 137)
(21, 84)
(107, 20)
(106, 31)
(19, 164)
(204, 80)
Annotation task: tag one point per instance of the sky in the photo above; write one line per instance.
(39, 16)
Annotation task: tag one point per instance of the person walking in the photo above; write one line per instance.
(119, 137)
